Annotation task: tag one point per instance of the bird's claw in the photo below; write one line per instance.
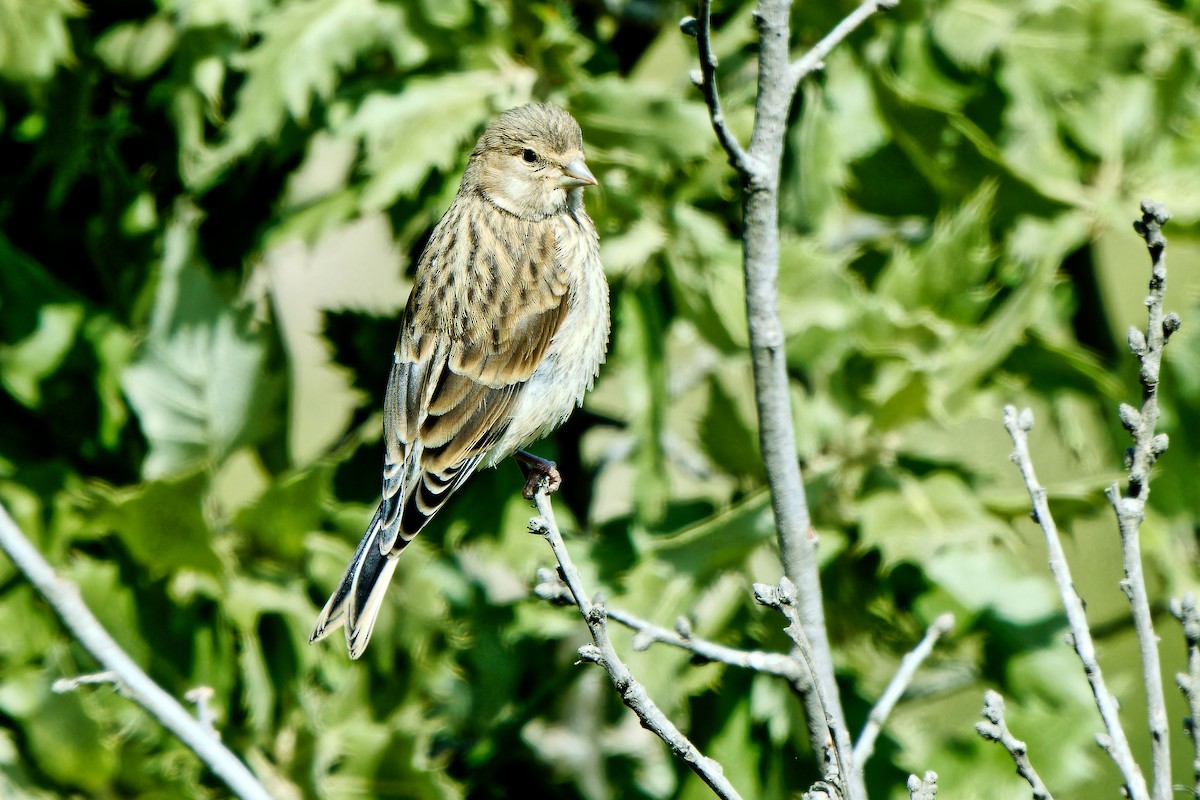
(537, 477)
(538, 472)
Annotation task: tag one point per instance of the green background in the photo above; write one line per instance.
(208, 214)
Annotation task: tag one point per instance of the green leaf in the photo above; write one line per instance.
(291, 507)
(947, 273)
(941, 526)
(427, 126)
(971, 31)
(200, 382)
(447, 13)
(137, 49)
(644, 122)
(727, 428)
(113, 603)
(304, 49)
(720, 543)
(912, 522)
(704, 268)
(24, 365)
(68, 745)
(161, 522)
(34, 40)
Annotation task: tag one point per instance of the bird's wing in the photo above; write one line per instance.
(490, 296)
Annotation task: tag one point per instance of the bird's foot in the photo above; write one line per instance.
(536, 469)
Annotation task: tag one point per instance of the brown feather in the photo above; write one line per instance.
(511, 261)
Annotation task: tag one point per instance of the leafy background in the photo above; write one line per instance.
(209, 210)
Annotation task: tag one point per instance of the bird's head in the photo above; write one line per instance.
(529, 162)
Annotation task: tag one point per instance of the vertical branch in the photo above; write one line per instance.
(1130, 507)
(63, 597)
(759, 170)
(1115, 743)
(1188, 615)
(776, 435)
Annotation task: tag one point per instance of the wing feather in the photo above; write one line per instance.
(489, 298)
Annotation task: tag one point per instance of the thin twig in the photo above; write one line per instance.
(995, 729)
(1130, 507)
(63, 597)
(783, 598)
(202, 696)
(1115, 742)
(706, 80)
(1189, 617)
(814, 58)
(777, 664)
(65, 685)
(909, 665)
(602, 652)
(923, 788)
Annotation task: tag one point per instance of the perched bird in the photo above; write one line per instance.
(505, 330)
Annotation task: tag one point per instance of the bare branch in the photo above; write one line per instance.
(1115, 742)
(1130, 507)
(63, 597)
(601, 652)
(706, 80)
(995, 729)
(783, 598)
(814, 58)
(1189, 617)
(759, 168)
(767, 663)
(909, 665)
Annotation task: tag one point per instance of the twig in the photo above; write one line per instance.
(814, 58)
(995, 729)
(200, 696)
(909, 665)
(922, 788)
(1130, 507)
(706, 79)
(1115, 742)
(1189, 617)
(63, 597)
(783, 598)
(777, 664)
(65, 685)
(601, 652)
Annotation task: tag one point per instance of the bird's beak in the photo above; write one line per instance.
(577, 174)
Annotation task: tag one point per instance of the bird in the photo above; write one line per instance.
(504, 332)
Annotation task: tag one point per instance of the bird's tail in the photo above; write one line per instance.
(359, 596)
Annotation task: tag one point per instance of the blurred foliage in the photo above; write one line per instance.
(207, 215)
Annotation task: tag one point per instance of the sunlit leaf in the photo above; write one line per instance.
(34, 40)
(199, 382)
(425, 127)
(136, 50)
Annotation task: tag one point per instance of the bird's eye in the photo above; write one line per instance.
(529, 156)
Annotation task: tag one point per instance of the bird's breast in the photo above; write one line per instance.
(573, 357)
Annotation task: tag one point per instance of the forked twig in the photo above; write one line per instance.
(602, 652)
